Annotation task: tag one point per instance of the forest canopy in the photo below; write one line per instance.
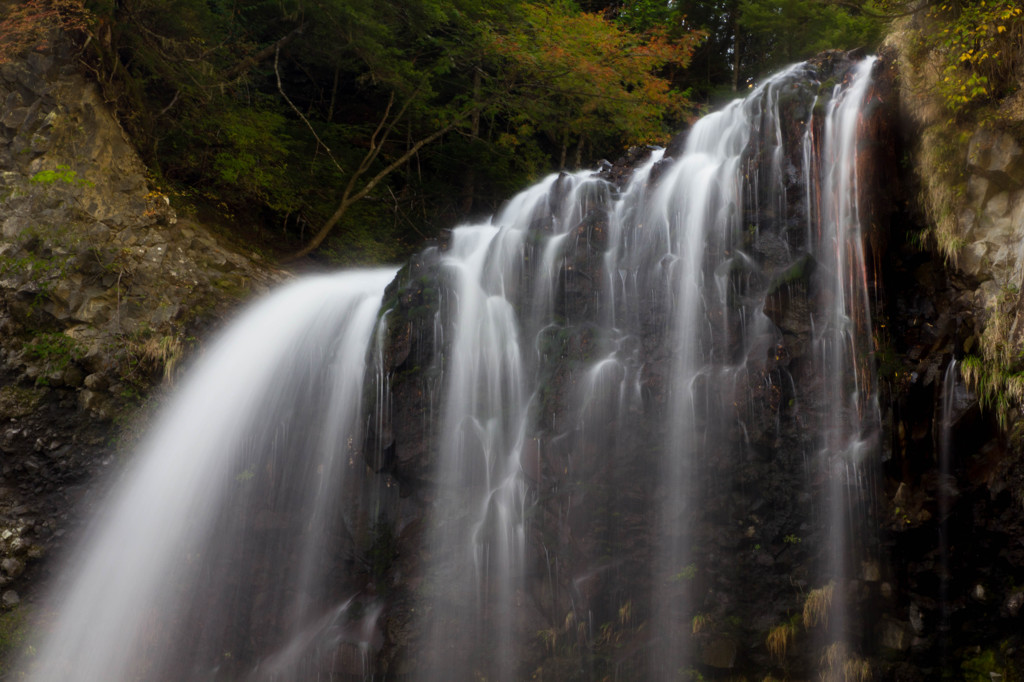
(357, 127)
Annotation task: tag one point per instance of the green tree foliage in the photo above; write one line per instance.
(747, 39)
(414, 110)
(982, 49)
(781, 32)
(382, 120)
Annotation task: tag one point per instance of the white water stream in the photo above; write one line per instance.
(269, 410)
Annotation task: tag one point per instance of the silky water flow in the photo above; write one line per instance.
(238, 513)
(226, 515)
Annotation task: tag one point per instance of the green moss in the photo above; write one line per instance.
(54, 351)
(980, 666)
(62, 175)
(689, 572)
(232, 287)
(798, 271)
(18, 401)
(13, 634)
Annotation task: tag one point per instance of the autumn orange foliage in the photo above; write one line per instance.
(29, 25)
(590, 74)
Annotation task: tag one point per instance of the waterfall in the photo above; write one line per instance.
(617, 400)
(717, 336)
(225, 520)
(704, 240)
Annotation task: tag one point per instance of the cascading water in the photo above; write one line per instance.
(945, 484)
(704, 241)
(601, 406)
(955, 402)
(218, 553)
(849, 423)
(717, 335)
(477, 538)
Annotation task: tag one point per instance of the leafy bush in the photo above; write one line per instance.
(982, 45)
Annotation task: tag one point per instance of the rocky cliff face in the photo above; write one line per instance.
(953, 487)
(103, 291)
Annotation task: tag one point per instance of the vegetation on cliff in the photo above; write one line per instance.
(962, 66)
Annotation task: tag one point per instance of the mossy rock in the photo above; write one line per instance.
(18, 401)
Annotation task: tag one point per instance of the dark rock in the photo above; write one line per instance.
(10, 599)
(13, 568)
(720, 653)
(895, 635)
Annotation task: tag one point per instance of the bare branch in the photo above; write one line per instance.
(377, 145)
(280, 88)
(349, 197)
(174, 99)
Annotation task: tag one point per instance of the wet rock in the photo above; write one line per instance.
(10, 599)
(19, 401)
(73, 376)
(916, 619)
(98, 404)
(12, 567)
(720, 652)
(895, 635)
(1014, 603)
(96, 382)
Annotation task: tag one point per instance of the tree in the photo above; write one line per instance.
(785, 31)
(578, 77)
(746, 39)
(378, 119)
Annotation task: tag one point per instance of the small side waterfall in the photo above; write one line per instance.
(604, 409)
(954, 400)
(219, 548)
(949, 384)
